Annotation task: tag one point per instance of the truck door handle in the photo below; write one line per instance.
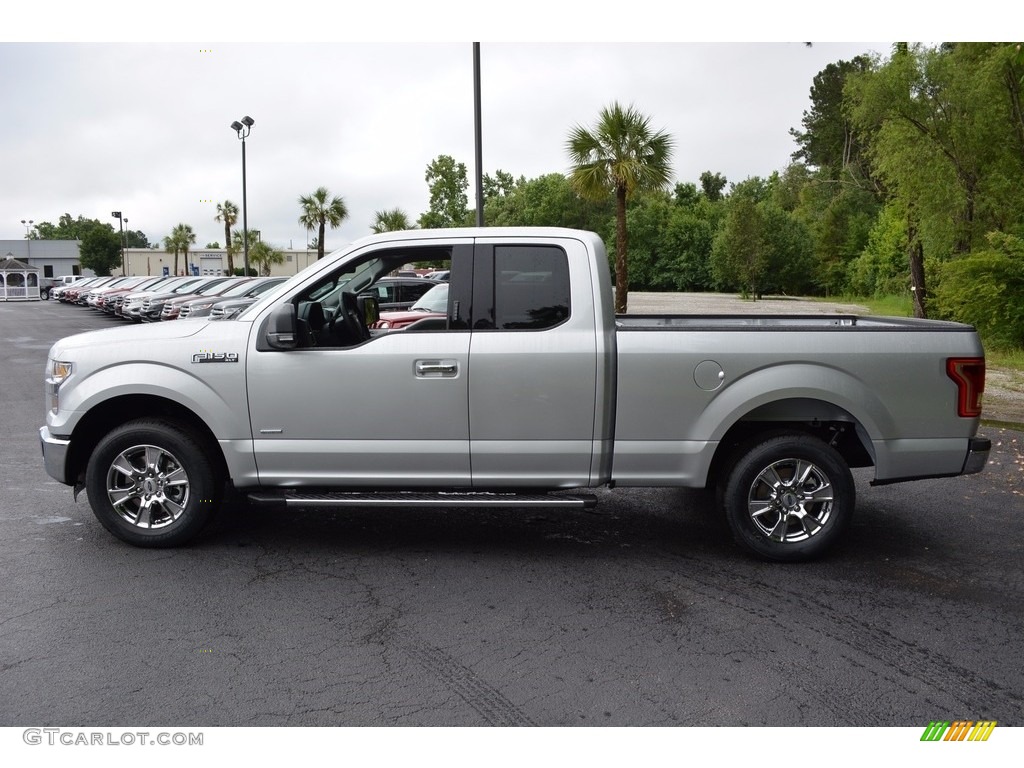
(436, 369)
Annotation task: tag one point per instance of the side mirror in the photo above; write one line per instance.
(281, 327)
(369, 309)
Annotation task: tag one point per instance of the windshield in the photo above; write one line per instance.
(434, 300)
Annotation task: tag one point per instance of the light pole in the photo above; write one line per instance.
(28, 237)
(124, 243)
(478, 137)
(120, 223)
(243, 129)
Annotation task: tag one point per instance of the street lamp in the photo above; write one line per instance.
(243, 129)
(28, 237)
(120, 222)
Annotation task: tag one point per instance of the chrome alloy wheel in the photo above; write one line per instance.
(790, 500)
(147, 486)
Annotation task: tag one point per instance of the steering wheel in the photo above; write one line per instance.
(352, 325)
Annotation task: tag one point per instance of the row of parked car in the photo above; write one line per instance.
(152, 299)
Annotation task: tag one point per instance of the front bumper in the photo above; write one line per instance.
(55, 456)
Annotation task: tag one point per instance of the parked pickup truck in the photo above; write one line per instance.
(530, 385)
(48, 284)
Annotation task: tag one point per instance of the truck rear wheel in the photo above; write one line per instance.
(789, 497)
(152, 484)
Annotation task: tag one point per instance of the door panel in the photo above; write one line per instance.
(391, 412)
(533, 388)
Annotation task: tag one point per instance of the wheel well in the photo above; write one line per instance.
(824, 421)
(113, 413)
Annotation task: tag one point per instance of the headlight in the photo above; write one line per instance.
(57, 372)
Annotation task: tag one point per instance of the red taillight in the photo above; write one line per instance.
(969, 375)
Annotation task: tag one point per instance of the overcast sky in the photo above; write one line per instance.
(91, 127)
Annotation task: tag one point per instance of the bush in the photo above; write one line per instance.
(986, 289)
(881, 269)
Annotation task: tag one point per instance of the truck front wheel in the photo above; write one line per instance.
(789, 497)
(152, 484)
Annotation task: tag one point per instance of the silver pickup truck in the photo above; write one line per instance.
(528, 387)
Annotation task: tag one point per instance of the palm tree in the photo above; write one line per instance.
(238, 244)
(228, 213)
(264, 256)
(171, 246)
(620, 156)
(184, 237)
(394, 220)
(320, 209)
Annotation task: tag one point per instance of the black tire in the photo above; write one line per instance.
(788, 498)
(153, 484)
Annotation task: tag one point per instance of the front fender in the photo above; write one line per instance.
(217, 396)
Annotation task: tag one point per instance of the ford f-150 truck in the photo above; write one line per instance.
(529, 387)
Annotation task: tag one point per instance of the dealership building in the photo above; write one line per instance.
(206, 261)
(55, 258)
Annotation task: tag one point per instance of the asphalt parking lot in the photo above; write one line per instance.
(641, 614)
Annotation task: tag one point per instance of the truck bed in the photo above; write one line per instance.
(781, 323)
(679, 393)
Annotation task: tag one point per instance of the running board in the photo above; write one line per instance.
(422, 500)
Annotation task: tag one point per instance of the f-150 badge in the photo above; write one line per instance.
(215, 357)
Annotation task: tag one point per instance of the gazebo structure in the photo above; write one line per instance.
(18, 281)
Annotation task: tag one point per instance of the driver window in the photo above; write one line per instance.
(389, 292)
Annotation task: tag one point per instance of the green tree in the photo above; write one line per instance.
(264, 256)
(712, 185)
(738, 258)
(828, 142)
(647, 217)
(181, 239)
(320, 209)
(839, 218)
(686, 194)
(238, 244)
(688, 240)
(618, 157)
(761, 247)
(498, 185)
(881, 269)
(135, 238)
(171, 245)
(449, 202)
(548, 201)
(100, 249)
(392, 220)
(67, 228)
(943, 138)
(227, 212)
(789, 252)
(186, 238)
(986, 289)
